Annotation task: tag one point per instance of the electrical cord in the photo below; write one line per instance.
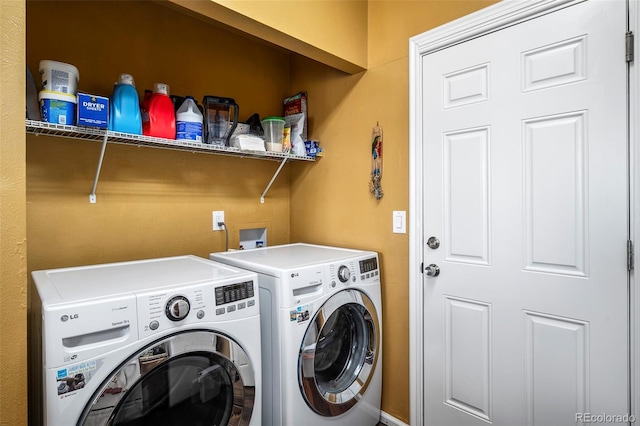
(226, 236)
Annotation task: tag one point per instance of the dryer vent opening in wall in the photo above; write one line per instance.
(253, 238)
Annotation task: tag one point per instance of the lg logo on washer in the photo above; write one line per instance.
(66, 318)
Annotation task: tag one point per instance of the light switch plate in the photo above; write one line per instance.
(399, 222)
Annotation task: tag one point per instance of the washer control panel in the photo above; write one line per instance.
(234, 297)
(344, 273)
(234, 292)
(177, 308)
(169, 308)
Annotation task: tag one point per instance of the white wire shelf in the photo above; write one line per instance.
(94, 134)
(100, 135)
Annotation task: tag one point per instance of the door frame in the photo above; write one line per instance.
(484, 21)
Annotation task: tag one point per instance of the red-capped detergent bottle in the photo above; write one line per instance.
(159, 117)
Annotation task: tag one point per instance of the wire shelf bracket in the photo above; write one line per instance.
(92, 196)
(275, 175)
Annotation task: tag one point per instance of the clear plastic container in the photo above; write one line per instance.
(273, 133)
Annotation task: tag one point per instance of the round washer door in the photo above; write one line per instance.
(339, 353)
(190, 378)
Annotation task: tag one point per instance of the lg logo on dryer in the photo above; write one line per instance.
(66, 318)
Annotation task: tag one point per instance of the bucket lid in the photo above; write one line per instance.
(58, 96)
(274, 119)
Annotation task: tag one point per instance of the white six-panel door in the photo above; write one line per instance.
(525, 186)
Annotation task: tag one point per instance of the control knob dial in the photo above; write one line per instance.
(344, 274)
(177, 308)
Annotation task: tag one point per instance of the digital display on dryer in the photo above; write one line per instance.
(368, 265)
(234, 292)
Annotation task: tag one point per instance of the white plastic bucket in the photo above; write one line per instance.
(58, 108)
(59, 77)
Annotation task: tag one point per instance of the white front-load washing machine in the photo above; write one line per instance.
(171, 341)
(321, 317)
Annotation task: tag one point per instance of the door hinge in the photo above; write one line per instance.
(629, 46)
(629, 255)
(422, 268)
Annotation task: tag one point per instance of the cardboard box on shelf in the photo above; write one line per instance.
(297, 104)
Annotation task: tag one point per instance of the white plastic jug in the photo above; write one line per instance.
(189, 121)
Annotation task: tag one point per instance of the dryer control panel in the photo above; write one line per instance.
(369, 268)
(352, 271)
(309, 283)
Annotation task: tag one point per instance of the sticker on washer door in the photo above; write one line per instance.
(301, 314)
(74, 377)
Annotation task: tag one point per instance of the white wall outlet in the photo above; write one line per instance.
(218, 216)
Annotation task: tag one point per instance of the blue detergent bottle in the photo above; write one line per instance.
(124, 110)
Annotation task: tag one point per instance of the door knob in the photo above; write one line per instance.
(433, 243)
(432, 270)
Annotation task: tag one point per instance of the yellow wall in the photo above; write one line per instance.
(150, 202)
(333, 32)
(330, 202)
(157, 202)
(13, 250)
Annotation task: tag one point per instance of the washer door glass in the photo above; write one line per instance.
(339, 352)
(186, 379)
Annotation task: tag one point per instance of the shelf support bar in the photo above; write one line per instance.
(274, 177)
(92, 196)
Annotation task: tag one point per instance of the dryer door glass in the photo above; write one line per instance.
(192, 378)
(339, 352)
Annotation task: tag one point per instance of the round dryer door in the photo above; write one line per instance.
(191, 378)
(339, 353)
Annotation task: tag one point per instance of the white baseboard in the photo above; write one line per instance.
(389, 420)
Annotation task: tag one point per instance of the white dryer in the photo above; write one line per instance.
(321, 317)
(171, 341)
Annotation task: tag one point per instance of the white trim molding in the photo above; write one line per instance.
(634, 204)
(484, 21)
(389, 420)
(491, 19)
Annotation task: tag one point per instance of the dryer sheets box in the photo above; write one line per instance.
(93, 111)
